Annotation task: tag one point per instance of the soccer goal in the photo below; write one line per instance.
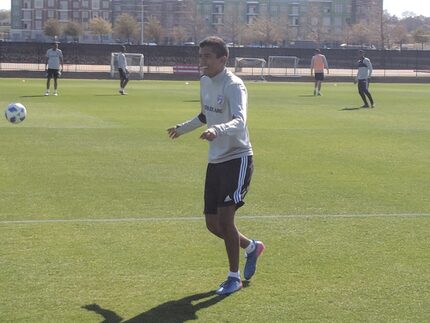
(250, 66)
(283, 66)
(135, 63)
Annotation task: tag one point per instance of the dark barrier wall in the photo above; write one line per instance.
(99, 54)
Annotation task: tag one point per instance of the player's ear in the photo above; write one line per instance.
(224, 60)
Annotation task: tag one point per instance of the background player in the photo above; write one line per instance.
(54, 58)
(364, 73)
(123, 71)
(318, 64)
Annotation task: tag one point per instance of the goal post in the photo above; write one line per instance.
(282, 66)
(250, 66)
(135, 64)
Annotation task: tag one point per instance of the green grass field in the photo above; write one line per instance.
(100, 216)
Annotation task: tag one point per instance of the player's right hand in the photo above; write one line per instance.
(173, 134)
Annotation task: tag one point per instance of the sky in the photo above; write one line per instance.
(394, 7)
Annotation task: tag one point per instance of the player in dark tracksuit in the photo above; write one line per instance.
(364, 73)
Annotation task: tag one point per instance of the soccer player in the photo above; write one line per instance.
(224, 102)
(363, 78)
(123, 71)
(54, 58)
(318, 64)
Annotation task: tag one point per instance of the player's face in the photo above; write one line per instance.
(209, 63)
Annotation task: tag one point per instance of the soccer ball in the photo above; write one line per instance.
(15, 113)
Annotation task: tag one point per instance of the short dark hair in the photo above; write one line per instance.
(217, 44)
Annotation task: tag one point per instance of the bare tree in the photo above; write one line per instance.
(233, 25)
(126, 27)
(313, 26)
(52, 28)
(266, 31)
(73, 29)
(421, 35)
(100, 27)
(179, 34)
(153, 30)
(195, 22)
(361, 34)
(400, 35)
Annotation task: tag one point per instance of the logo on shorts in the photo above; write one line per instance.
(219, 99)
(228, 199)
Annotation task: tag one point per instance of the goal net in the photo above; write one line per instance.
(250, 66)
(283, 66)
(135, 64)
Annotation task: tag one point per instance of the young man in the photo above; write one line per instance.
(318, 64)
(54, 58)
(123, 71)
(363, 77)
(224, 110)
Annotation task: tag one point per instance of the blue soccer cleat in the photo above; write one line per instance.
(230, 286)
(251, 260)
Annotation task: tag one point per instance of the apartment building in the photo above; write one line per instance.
(297, 17)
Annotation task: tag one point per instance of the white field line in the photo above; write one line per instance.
(201, 218)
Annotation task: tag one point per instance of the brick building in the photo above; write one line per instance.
(197, 18)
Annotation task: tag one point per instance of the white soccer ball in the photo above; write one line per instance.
(15, 113)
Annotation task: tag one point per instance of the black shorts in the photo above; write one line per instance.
(123, 74)
(53, 73)
(227, 183)
(319, 76)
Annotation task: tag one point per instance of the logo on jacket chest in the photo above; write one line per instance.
(209, 101)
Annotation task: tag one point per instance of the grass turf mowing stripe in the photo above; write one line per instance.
(196, 218)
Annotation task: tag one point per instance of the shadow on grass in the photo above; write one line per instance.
(33, 96)
(116, 94)
(351, 109)
(177, 311)
(192, 101)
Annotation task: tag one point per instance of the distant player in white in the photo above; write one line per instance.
(54, 58)
(224, 103)
(123, 71)
(364, 73)
(318, 64)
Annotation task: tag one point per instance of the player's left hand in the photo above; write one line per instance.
(209, 134)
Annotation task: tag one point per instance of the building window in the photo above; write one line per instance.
(96, 4)
(64, 5)
(338, 8)
(252, 8)
(295, 10)
(51, 13)
(38, 14)
(105, 5)
(38, 4)
(326, 21)
(51, 3)
(63, 15)
(217, 19)
(294, 21)
(27, 15)
(38, 25)
(85, 4)
(218, 8)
